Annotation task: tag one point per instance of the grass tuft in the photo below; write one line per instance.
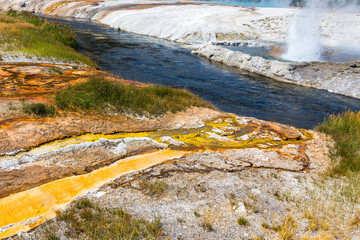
(87, 220)
(153, 188)
(345, 130)
(207, 225)
(242, 221)
(39, 109)
(265, 225)
(105, 96)
(288, 229)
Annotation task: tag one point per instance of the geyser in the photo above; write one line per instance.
(304, 42)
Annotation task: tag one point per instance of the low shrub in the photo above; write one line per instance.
(39, 109)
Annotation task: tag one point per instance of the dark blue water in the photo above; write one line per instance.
(151, 60)
(253, 3)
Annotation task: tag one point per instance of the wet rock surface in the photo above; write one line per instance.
(208, 141)
(24, 133)
(270, 140)
(20, 80)
(29, 171)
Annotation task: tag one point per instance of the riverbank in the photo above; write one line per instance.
(342, 78)
(26, 38)
(190, 23)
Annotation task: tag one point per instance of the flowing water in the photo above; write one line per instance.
(157, 61)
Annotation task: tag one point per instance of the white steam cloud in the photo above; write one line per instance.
(304, 41)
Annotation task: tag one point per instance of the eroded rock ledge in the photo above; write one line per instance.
(342, 78)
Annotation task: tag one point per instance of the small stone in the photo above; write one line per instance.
(244, 137)
(240, 210)
(218, 120)
(229, 120)
(255, 191)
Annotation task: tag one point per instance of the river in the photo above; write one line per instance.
(151, 60)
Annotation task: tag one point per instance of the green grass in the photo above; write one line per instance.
(86, 220)
(345, 130)
(106, 97)
(265, 225)
(242, 221)
(40, 38)
(153, 188)
(207, 225)
(61, 33)
(38, 109)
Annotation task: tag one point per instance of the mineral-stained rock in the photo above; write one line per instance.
(24, 133)
(20, 80)
(32, 170)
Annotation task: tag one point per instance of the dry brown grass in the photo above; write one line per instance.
(11, 23)
(288, 229)
(13, 26)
